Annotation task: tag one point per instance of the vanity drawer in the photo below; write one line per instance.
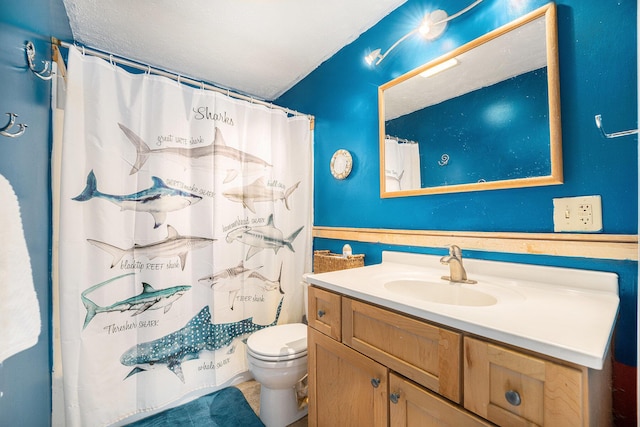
(424, 353)
(511, 388)
(412, 405)
(324, 312)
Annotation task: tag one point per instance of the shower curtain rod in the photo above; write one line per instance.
(177, 77)
(401, 140)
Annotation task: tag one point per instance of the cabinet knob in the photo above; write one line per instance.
(320, 313)
(513, 397)
(394, 397)
(375, 382)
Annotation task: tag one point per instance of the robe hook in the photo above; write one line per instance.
(12, 120)
(45, 73)
(613, 134)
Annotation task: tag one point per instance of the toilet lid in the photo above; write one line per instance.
(280, 342)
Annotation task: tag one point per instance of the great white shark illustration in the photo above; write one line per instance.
(188, 342)
(228, 280)
(156, 200)
(262, 237)
(243, 163)
(259, 192)
(174, 245)
(148, 299)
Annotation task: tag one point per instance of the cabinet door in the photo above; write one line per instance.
(345, 388)
(414, 406)
(511, 388)
(424, 353)
(324, 312)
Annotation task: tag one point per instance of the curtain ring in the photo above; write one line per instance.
(179, 77)
(83, 52)
(111, 60)
(148, 70)
(202, 85)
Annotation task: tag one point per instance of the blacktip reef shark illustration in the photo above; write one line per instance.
(218, 150)
(148, 299)
(228, 280)
(156, 200)
(188, 342)
(174, 245)
(259, 192)
(262, 237)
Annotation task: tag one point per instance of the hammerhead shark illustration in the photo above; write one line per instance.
(262, 237)
(148, 299)
(218, 150)
(259, 192)
(174, 244)
(198, 335)
(156, 200)
(228, 280)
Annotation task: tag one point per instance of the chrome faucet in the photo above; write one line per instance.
(457, 272)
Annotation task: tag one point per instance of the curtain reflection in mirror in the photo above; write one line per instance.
(402, 164)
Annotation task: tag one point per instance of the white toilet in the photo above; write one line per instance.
(277, 358)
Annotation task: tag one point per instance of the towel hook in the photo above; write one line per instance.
(12, 120)
(31, 54)
(614, 134)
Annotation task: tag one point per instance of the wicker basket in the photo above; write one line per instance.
(324, 261)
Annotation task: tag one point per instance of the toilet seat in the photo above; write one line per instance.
(279, 343)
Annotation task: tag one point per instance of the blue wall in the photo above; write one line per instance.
(598, 71)
(25, 379)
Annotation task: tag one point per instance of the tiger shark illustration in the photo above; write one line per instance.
(156, 200)
(244, 163)
(188, 342)
(259, 192)
(267, 284)
(228, 280)
(148, 299)
(262, 237)
(174, 245)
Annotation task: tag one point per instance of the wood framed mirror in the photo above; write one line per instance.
(484, 116)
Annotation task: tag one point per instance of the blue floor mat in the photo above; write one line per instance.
(224, 408)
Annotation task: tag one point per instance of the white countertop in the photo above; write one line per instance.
(565, 313)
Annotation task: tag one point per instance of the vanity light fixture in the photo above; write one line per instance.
(431, 27)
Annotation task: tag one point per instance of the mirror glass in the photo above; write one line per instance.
(489, 120)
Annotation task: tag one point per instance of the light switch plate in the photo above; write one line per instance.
(582, 213)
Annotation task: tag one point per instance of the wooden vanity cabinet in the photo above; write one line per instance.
(412, 405)
(424, 353)
(513, 388)
(346, 388)
(370, 366)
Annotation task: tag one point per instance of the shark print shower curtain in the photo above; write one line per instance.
(185, 226)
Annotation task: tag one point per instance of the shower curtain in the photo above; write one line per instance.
(184, 227)
(401, 164)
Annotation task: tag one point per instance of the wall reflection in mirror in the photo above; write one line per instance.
(484, 116)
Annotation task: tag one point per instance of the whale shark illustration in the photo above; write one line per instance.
(148, 299)
(259, 192)
(185, 344)
(156, 200)
(174, 245)
(244, 162)
(228, 280)
(262, 237)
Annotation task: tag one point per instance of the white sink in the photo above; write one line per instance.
(565, 313)
(441, 292)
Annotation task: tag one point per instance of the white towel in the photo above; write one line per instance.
(19, 311)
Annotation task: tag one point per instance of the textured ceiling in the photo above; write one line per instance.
(256, 47)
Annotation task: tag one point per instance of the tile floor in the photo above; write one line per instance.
(251, 391)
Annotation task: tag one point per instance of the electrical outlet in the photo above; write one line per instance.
(577, 214)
